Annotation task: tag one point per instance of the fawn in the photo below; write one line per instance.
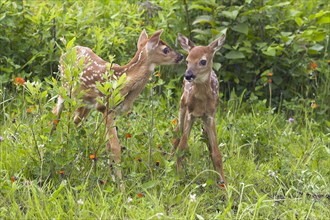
(200, 99)
(150, 52)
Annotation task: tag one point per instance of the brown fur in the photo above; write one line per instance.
(138, 71)
(200, 99)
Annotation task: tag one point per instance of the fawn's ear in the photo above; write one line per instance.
(217, 44)
(143, 37)
(154, 40)
(185, 43)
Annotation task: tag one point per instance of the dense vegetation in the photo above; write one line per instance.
(273, 122)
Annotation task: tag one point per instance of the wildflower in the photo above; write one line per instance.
(128, 135)
(192, 197)
(270, 74)
(80, 202)
(29, 110)
(157, 74)
(328, 62)
(92, 157)
(314, 105)
(13, 179)
(270, 81)
(159, 215)
(129, 199)
(19, 81)
(61, 172)
(313, 65)
(139, 195)
(1, 139)
(204, 184)
(56, 121)
(174, 121)
(291, 120)
(157, 163)
(138, 159)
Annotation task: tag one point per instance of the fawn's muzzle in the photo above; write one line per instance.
(189, 76)
(179, 58)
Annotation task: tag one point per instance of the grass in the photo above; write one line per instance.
(276, 169)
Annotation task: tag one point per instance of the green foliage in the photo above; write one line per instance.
(281, 37)
(269, 161)
(273, 129)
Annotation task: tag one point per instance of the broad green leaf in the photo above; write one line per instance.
(216, 66)
(324, 20)
(317, 47)
(234, 54)
(241, 28)
(299, 21)
(230, 14)
(271, 51)
(200, 7)
(203, 19)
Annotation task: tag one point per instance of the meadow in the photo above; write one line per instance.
(274, 133)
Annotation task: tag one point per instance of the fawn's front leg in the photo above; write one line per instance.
(57, 111)
(113, 143)
(179, 129)
(183, 145)
(209, 127)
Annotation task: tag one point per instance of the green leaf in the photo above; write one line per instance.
(216, 66)
(203, 19)
(271, 51)
(299, 21)
(234, 54)
(150, 184)
(70, 43)
(241, 28)
(200, 7)
(230, 14)
(324, 20)
(317, 47)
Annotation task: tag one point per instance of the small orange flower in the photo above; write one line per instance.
(174, 121)
(128, 135)
(13, 179)
(92, 156)
(29, 110)
(138, 159)
(140, 195)
(19, 81)
(158, 74)
(61, 172)
(328, 62)
(314, 105)
(270, 81)
(56, 121)
(313, 65)
(270, 74)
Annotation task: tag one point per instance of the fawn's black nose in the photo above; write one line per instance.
(189, 76)
(179, 58)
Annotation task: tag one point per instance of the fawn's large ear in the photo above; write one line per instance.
(217, 44)
(154, 40)
(143, 37)
(185, 43)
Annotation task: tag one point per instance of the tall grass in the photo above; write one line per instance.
(275, 168)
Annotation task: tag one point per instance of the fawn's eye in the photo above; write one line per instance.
(202, 62)
(166, 50)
